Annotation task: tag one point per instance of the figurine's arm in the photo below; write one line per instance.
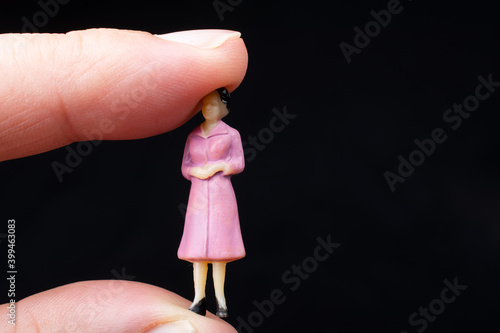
(187, 162)
(236, 162)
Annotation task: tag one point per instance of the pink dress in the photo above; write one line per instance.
(212, 227)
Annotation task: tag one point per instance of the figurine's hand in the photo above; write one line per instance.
(216, 167)
(109, 306)
(200, 172)
(107, 84)
(207, 170)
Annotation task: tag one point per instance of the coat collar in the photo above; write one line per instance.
(220, 128)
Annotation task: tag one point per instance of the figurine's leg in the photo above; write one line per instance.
(199, 305)
(219, 274)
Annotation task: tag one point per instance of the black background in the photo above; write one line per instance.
(118, 211)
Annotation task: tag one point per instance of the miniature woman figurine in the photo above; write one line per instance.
(212, 233)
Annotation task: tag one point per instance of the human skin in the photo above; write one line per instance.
(57, 87)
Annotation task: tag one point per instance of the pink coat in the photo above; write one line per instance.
(212, 227)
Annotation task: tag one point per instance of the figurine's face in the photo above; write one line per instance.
(213, 108)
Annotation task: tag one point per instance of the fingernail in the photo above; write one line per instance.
(205, 39)
(182, 326)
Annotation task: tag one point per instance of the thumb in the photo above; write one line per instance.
(109, 306)
(107, 84)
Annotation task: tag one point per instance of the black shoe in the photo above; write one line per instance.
(221, 312)
(200, 307)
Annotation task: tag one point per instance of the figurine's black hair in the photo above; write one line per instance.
(225, 97)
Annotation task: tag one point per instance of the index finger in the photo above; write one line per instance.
(106, 84)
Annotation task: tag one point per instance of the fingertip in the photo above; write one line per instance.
(110, 306)
(101, 84)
